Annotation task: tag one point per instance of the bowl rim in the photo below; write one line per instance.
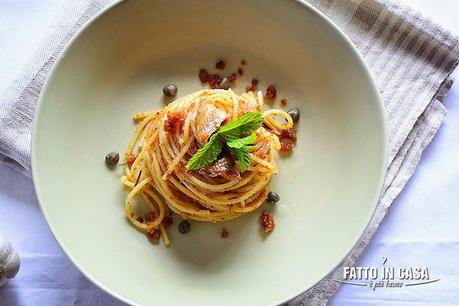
(302, 5)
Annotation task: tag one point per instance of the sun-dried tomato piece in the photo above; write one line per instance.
(271, 92)
(174, 121)
(224, 234)
(130, 158)
(259, 154)
(267, 221)
(150, 216)
(154, 233)
(287, 139)
(232, 77)
(220, 65)
(214, 81)
(203, 75)
(167, 221)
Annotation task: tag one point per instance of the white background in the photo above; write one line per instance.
(421, 228)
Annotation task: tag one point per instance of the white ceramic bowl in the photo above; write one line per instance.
(117, 66)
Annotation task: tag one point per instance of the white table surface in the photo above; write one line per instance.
(421, 228)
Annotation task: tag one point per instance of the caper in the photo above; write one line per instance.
(273, 197)
(184, 227)
(225, 84)
(112, 158)
(294, 112)
(170, 90)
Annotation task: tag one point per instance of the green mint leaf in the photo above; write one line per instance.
(239, 136)
(241, 142)
(242, 127)
(243, 156)
(207, 154)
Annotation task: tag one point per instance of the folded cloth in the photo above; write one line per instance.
(411, 59)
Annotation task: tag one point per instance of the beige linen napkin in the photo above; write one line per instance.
(410, 57)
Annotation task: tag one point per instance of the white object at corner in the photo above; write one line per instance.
(9, 261)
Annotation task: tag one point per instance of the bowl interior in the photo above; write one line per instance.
(117, 67)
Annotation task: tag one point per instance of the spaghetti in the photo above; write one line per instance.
(165, 140)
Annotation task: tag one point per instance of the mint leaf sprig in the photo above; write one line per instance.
(238, 136)
(242, 127)
(207, 154)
